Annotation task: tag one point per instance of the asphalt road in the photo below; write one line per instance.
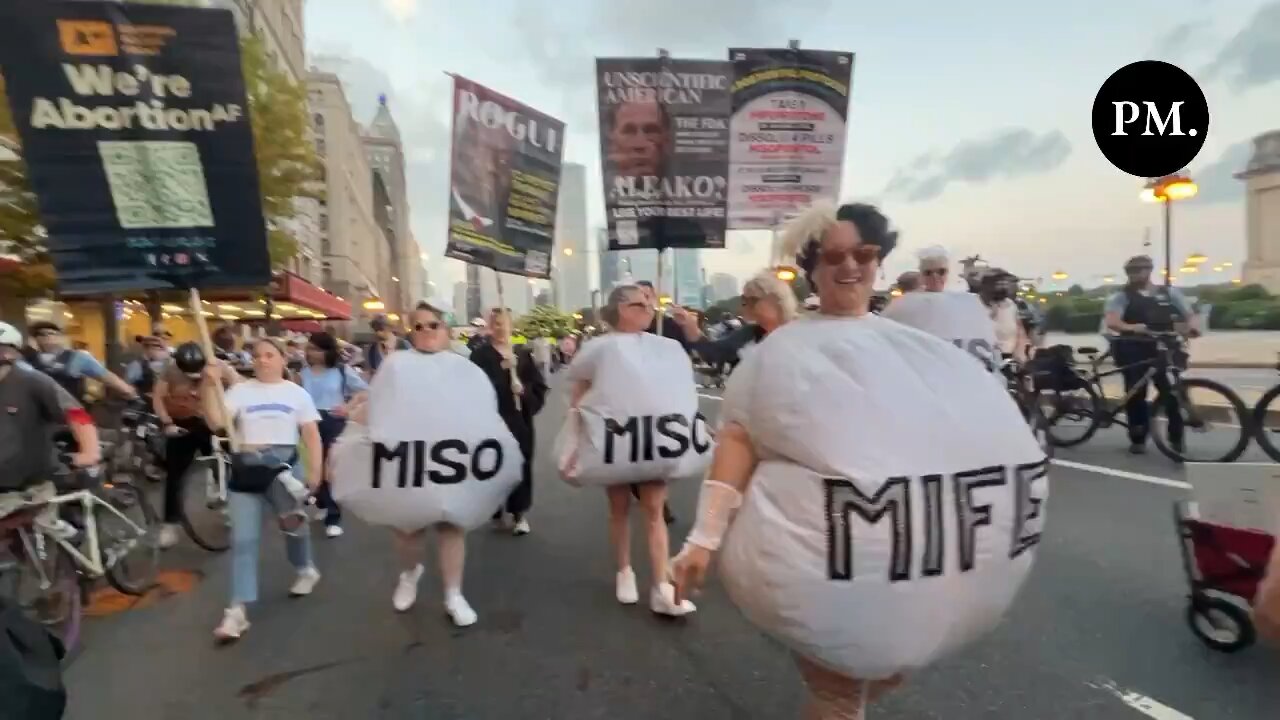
(1097, 633)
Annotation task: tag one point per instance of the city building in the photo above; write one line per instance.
(386, 159)
(723, 287)
(571, 263)
(686, 264)
(357, 256)
(461, 316)
(280, 26)
(1262, 212)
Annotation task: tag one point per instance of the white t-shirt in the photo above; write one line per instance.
(1005, 316)
(270, 413)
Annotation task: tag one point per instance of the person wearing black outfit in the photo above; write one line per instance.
(1132, 314)
(669, 330)
(522, 391)
(767, 303)
(386, 343)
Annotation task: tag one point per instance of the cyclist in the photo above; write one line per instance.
(1139, 309)
(143, 372)
(35, 408)
(70, 367)
(995, 289)
(178, 404)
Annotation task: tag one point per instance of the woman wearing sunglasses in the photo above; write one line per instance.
(842, 439)
(629, 313)
(767, 304)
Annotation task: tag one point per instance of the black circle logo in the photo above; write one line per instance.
(1150, 118)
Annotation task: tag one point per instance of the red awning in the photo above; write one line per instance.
(302, 326)
(290, 288)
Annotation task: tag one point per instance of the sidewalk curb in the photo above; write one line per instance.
(1213, 365)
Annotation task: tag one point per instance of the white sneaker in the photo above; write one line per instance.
(168, 536)
(234, 624)
(333, 531)
(662, 600)
(460, 611)
(521, 528)
(626, 587)
(406, 593)
(305, 583)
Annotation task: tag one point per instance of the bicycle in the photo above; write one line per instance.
(203, 499)
(1022, 390)
(1092, 408)
(46, 568)
(140, 449)
(1261, 412)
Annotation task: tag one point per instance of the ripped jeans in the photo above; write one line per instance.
(245, 511)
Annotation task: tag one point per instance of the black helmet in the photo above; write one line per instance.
(189, 357)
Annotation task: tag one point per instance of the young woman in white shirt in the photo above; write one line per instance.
(270, 415)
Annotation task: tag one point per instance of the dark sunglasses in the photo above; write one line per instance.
(862, 255)
(940, 272)
(1134, 269)
(432, 326)
(750, 300)
(640, 305)
(48, 333)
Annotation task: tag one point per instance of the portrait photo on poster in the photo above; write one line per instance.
(664, 146)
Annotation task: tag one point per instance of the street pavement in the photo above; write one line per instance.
(1098, 632)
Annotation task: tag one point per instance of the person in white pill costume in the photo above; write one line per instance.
(888, 496)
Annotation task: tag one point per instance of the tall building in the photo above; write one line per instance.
(1262, 212)
(460, 315)
(723, 287)
(280, 26)
(571, 262)
(356, 252)
(687, 270)
(386, 158)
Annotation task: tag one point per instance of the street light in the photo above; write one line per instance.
(786, 274)
(1196, 259)
(568, 252)
(1059, 275)
(373, 305)
(1166, 190)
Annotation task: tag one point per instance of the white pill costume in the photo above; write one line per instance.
(958, 317)
(640, 420)
(898, 499)
(435, 449)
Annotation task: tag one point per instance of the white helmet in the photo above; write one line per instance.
(9, 335)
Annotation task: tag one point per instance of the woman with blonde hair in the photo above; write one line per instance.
(767, 304)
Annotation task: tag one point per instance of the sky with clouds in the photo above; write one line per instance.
(969, 125)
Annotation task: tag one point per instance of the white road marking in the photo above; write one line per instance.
(1143, 704)
(1125, 474)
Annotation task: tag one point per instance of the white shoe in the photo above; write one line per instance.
(168, 536)
(626, 587)
(521, 528)
(406, 593)
(460, 611)
(234, 624)
(662, 600)
(333, 531)
(305, 583)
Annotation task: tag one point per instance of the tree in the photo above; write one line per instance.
(25, 269)
(546, 321)
(288, 167)
(1075, 290)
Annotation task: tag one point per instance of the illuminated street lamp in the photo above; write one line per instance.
(373, 305)
(568, 252)
(1108, 279)
(1226, 264)
(785, 273)
(1059, 275)
(1167, 190)
(1197, 259)
(1189, 269)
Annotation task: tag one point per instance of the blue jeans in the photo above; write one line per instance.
(245, 510)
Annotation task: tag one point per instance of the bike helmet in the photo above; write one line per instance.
(10, 335)
(189, 357)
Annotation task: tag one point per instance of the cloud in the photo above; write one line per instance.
(1217, 179)
(1181, 40)
(1008, 154)
(401, 10)
(1252, 57)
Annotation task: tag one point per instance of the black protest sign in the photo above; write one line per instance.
(504, 182)
(135, 129)
(664, 144)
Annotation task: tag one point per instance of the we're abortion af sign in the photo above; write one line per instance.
(135, 130)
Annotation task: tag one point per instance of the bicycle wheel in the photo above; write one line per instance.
(1071, 416)
(131, 554)
(203, 512)
(45, 585)
(1215, 423)
(1264, 428)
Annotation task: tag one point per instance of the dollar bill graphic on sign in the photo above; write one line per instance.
(156, 184)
